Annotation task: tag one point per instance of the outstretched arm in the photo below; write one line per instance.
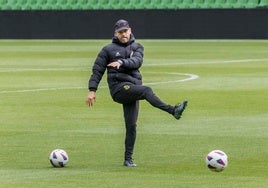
(98, 70)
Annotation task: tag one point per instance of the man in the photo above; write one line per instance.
(122, 59)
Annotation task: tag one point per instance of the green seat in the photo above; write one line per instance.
(32, 5)
(5, 7)
(39, 5)
(155, 4)
(82, 2)
(230, 3)
(32, 2)
(168, 4)
(188, 3)
(114, 4)
(208, 4)
(136, 4)
(51, 5)
(178, 4)
(104, 4)
(72, 2)
(181, 4)
(197, 4)
(3, 3)
(22, 4)
(263, 3)
(67, 5)
(62, 4)
(119, 4)
(146, 4)
(124, 4)
(91, 4)
(219, 4)
(252, 4)
(52, 2)
(12, 4)
(241, 4)
(77, 5)
(42, 2)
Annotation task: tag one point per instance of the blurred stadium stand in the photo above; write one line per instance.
(128, 4)
(152, 19)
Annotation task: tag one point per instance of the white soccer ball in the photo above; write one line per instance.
(58, 158)
(217, 160)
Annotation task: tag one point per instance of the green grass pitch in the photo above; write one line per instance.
(43, 87)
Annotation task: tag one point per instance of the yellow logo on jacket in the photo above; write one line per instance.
(126, 87)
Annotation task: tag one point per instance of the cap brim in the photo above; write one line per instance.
(122, 28)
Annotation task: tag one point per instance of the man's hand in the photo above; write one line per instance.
(114, 64)
(91, 98)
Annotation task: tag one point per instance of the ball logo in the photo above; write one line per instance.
(220, 161)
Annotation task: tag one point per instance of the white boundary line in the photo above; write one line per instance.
(39, 69)
(209, 62)
(189, 78)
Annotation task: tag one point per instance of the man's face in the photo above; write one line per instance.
(123, 35)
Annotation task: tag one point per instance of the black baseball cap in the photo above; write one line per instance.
(120, 25)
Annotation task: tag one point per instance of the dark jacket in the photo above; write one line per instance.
(130, 54)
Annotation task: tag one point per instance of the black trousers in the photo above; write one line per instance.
(129, 97)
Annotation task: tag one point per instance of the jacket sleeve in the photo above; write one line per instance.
(136, 57)
(98, 70)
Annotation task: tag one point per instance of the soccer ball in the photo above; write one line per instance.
(217, 160)
(58, 158)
